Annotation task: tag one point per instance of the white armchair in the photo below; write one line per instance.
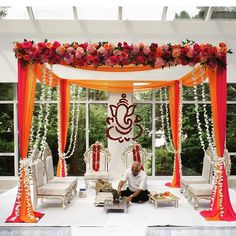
(48, 190)
(204, 191)
(49, 171)
(134, 152)
(205, 178)
(96, 159)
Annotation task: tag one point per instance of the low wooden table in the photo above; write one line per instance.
(122, 206)
(156, 201)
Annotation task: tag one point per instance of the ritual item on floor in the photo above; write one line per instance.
(167, 197)
(116, 196)
(82, 192)
(101, 197)
(103, 186)
(121, 206)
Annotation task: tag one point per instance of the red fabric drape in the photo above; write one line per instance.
(64, 122)
(218, 92)
(136, 154)
(23, 211)
(174, 98)
(96, 148)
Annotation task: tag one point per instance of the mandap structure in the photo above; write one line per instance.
(36, 60)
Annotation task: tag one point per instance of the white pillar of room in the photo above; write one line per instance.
(116, 165)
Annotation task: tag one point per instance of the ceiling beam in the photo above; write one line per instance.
(164, 13)
(120, 11)
(209, 13)
(30, 13)
(75, 13)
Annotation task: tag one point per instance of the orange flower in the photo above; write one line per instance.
(159, 52)
(106, 46)
(49, 45)
(89, 57)
(75, 45)
(176, 52)
(223, 47)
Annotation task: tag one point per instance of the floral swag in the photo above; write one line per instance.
(122, 54)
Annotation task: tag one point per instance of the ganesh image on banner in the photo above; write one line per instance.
(122, 121)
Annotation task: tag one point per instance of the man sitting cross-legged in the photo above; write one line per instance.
(137, 184)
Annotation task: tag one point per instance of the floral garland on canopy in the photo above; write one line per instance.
(103, 53)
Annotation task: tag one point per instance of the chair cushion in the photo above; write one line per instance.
(96, 175)
(71, 180)
(201, 189)
(186, 180)
(51, 189)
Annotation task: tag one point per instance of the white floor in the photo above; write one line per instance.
(82, 214)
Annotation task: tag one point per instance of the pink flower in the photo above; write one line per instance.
(102, 50)
(146, 49)
(69, 60)
(79, 52)
(189, 54)
(159, 62)
(60, 50)
(91, 48)
(135, 49)
(116, 52)
(71, 50)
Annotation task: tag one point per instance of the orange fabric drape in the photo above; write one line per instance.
(64, 122)
(174, 99)
(23, 211)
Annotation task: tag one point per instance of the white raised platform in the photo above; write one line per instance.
(83, 218)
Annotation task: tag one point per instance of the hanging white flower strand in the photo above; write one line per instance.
(75, 126)
(40, 115)
(169, 143)
(210, 137)
(72, 117)
(47, 111)
(60, 154)
(180, 134)
(197, 109)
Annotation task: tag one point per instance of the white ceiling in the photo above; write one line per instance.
(160, 32)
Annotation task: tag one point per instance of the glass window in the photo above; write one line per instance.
(231, 92)
(6, 128)
(76, 165)
(188, 92)
(38, 92)
(97, 123)
(6, 91)
(145, 112)
(192, 153)
(223, 13)
(164, 159)
(174, 13)
(6, 165)
(97, 95)
(231, 128)
(142, 96)
(233, 167)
